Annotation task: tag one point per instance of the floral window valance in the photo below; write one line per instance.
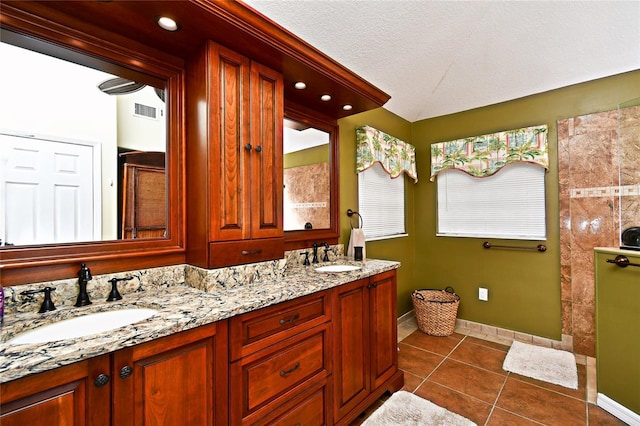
(484, 155)
(395, 156)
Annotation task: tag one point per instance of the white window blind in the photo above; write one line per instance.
(509, 204)
(381, 203)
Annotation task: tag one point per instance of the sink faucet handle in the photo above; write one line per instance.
(47, 303)
(84, 273)
(306, 258)
(326, 252)
(115, 294)
(84, 276)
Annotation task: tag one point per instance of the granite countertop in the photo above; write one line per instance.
(180, 307)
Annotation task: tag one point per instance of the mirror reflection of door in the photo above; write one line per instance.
(306, 198)
(49, 191)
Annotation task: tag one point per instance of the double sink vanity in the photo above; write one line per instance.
(307, 347)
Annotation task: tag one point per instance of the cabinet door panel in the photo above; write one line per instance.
(176, 386)
(384, 331)
(177, 380)
(64, 396)
(351, 368)
(62, 405)
(228, 133)
(266, 158)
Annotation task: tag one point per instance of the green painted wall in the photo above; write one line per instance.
(524, 287)
(314, 155)
(399, 249)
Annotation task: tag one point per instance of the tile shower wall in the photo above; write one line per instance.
(598, 198)
(306, 196)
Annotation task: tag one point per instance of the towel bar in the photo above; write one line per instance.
(540, 247)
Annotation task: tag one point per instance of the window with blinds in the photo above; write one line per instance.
(509, 204)
(381, 203)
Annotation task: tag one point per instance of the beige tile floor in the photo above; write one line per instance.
(463, 373)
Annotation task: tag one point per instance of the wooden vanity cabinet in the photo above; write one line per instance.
(71, 395)
(176, 380)
(234, 160)
(365, 344)
(281, 363)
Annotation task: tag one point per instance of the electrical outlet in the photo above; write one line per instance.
(483, 294)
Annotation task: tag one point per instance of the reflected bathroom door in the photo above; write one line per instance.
(45, 193)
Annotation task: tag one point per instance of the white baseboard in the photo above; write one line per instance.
(618, 410)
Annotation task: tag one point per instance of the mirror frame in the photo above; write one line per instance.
(77, 42)
(305, 238)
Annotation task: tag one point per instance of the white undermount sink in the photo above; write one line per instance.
(82, 326)
(338, 268)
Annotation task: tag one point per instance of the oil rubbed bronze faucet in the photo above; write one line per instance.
(326, 252)
(84, 276)
(47, 303)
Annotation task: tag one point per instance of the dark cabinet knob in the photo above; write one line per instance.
(248, 147)
(126, 371)
(101, 380)
(258, 148)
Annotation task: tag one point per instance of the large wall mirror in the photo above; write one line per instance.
(73, 143)
(90, 152)
(310, 194)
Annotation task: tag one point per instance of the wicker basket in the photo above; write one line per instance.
(436, 310)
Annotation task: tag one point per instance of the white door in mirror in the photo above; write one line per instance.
(82, 326)
(48, 192)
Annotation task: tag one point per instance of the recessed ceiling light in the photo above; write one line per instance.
(300, 85)
(168, 24)
(347, 107)
(325, 98)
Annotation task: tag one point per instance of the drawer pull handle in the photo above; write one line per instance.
(289, 320)
(284, 373)
(246, 252)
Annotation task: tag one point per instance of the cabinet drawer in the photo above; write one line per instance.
(271, 377)
(245, 251)
(256, 330)
(308, 409)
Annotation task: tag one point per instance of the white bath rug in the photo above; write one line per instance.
(404, 409)
(546, 364)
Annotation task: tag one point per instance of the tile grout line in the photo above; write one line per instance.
(493, 406)
(444, 358)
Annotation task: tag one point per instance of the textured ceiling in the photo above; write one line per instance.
(440, 57)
